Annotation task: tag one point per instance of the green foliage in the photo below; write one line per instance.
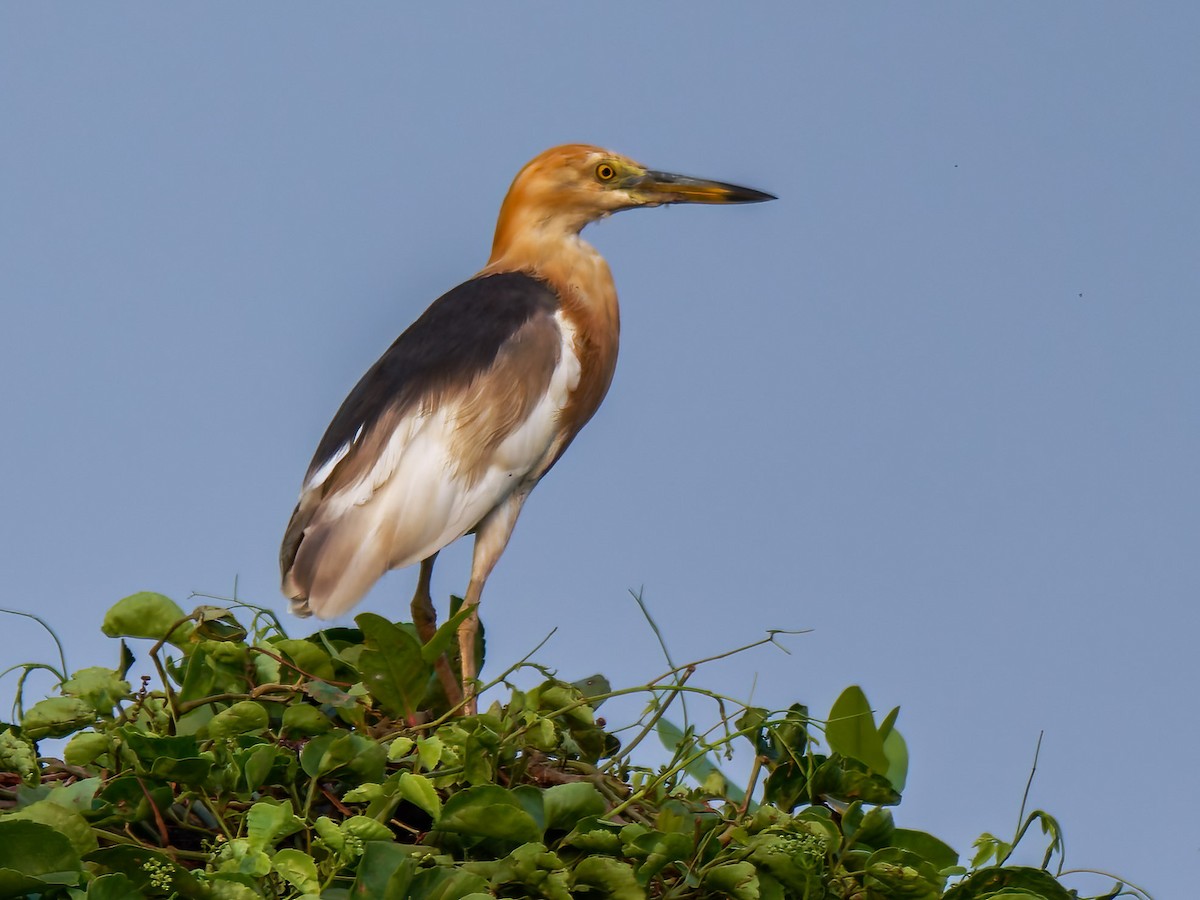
(266, 766)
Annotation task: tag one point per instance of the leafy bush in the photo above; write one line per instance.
(259, 765)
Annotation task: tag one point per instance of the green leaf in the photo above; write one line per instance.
(876, 828)
(147, 615)
(57, 717)
(847, 780)
(738, 880)
(489, 811)
(116, 886)
(257, 763)
(941, 855)
(84, 748)
(392, 667)
(269, 822)
(306, 656)
(38, 850)
(344, 751)
(385, 872)
(613, 877)
(851, 730)
(897, 754)
(660, 850)
(190, 770)
(566, 804)
(15, 884)
(66, 822)
(244, 717)
(301, 720)
(298, 869)
(101, 688)
(366, 829)
(594, 836)
(418, 790)
(1009, 883)
(446, 884)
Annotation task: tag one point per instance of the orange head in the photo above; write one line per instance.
(561, 190)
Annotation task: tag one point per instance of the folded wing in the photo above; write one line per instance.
(460, 411)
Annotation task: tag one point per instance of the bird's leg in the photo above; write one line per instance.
(423, 613)
(425, 618)
(491, 537)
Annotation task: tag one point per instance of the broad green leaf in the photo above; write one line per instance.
(101, 688)
(898, 873)
(429, 752)
(1009, 883)
(851, 730)
(659, 850)
(344, 751)
(847, 780)
(594, 836)
(267, 823)
(57, 717)
(876, 828)
(385, 872)
(17, 884)
(240, 857)
(76, 796)
(306, 656)
(489, 811)
(84, 748)
(888, 723)
(616, 879)
(301, 720)
(189, 770)
(925, 846)
(67, 822)
(418, 790)
(298, 869)
(738, 880)
(896, 751)
(36, 849)
(366, 829)
(147, 615)
(392, 667)
(257, 763)
(567, 804)
(244, 717)
(116, 886)
(445, 884)
(400, 748)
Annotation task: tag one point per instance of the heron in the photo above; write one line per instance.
(451, 429)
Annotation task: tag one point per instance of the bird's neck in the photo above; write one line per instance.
(587, 300)
(550, 248)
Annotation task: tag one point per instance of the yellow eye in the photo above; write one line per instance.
(605, 172)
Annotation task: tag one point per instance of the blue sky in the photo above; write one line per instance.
(938, 403)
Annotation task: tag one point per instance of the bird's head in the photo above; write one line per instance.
(564, 188)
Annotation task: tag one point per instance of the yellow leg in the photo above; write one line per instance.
(491, 537)
(425, 618)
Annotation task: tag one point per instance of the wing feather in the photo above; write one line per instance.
(460, 410)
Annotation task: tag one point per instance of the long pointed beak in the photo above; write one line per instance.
(665, 187)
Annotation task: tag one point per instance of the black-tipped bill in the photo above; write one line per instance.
(664, 187)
